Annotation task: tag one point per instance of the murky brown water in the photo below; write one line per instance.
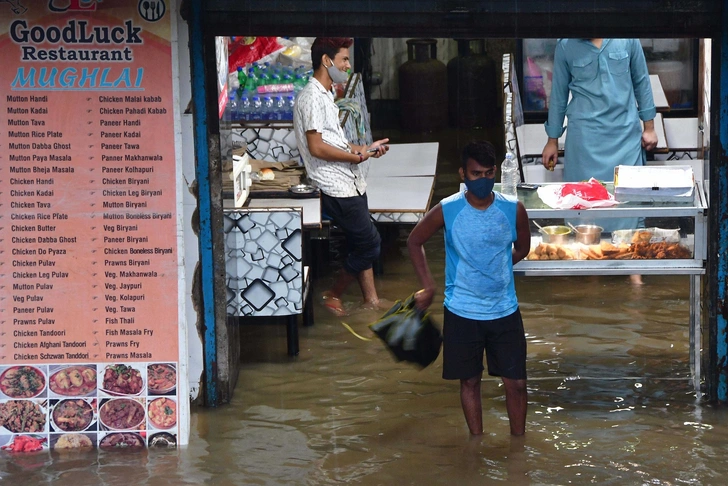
(610, 402)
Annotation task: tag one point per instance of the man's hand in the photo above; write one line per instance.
(380, 148)
(649, 139)
(550, 154)
(423, 298)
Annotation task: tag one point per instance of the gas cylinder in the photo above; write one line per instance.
(471, 84)
(423, 88)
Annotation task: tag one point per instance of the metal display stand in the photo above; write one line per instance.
(695, 209)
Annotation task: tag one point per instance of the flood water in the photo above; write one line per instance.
(611, 401)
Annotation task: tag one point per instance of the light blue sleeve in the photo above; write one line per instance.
(560, 80)
(641, 82)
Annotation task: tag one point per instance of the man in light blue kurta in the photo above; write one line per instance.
(611, 93)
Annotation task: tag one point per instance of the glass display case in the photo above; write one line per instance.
(631, 237)
(656, 238)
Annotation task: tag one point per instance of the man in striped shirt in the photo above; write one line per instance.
(332, 163)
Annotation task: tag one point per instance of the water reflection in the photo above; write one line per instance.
(610, 402)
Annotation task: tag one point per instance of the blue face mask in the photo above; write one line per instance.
(481, 187)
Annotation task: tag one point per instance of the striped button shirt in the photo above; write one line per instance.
(315, 110)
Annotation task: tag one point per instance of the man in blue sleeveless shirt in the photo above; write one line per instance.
(486, 233)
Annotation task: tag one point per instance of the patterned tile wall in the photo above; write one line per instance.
(263, 262)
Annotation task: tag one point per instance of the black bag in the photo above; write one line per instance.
(409, 334)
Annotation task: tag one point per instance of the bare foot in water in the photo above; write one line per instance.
(635, 279)
(333, 304)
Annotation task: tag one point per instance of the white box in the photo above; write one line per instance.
(653, 183)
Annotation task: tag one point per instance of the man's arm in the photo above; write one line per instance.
(557, 107)
(522, 245)
(324, 151)
(356, 155)
(643, 94)
(428, 226)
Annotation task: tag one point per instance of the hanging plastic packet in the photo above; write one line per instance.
(409, 334)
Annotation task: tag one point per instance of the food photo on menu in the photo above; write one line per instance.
(162, 413)
(122, 380)
(72, 442)
(26, 443)
(73, 415)
(27, 419)
(64, 407)
(72, 380)
(22, 381)
(161, 379)
(122, 440)
(122, 414)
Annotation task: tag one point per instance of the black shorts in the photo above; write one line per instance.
(464, 341)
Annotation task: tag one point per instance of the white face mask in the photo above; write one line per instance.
(337, 75)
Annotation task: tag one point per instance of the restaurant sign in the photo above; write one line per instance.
(89, 319)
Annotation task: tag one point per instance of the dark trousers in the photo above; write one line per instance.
(351, 214)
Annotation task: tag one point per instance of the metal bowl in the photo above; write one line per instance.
(302, 189)
(589, 234)
(555, 234)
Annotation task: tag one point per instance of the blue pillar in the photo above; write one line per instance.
(202, 174)
(720, 202)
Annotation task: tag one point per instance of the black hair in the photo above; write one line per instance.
(480, 151)
(329, 46)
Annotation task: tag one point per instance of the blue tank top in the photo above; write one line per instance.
(478, 257)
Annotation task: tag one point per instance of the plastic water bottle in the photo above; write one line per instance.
(244, 108)
(510, 176)
(256, 109)
(231, 110)
(290, 102)
(268, 108)
(280, 108)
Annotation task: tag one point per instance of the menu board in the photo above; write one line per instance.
(88, 231)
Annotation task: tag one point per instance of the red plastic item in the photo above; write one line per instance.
(246, 50)
(592, 190)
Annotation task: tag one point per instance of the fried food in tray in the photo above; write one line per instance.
(646, 251)
(635, 251)
(642, 250)
(22, 416)
(549, 251)
(603, 251)
(73, 381)
(22, 382)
